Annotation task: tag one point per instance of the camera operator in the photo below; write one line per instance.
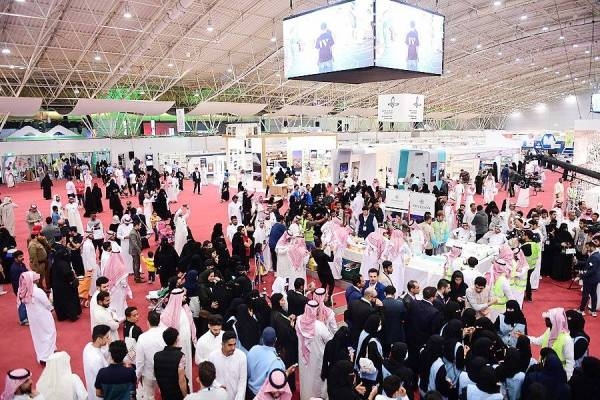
(590, 275)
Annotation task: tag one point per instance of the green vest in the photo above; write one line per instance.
(535, 254)
(558, 344)
(309, 234)
(499, 294)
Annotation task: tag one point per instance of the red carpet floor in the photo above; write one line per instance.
(15, 340)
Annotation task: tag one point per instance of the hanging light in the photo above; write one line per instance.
(210, 27)
(6, 50)
(127, 13)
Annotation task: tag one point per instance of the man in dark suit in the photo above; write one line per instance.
(413, 289)
(296, 298)
(394, 315)
(441, 297)
(197, 180)
(358, 312)
(423, 321)
(375, 284)
(354, 291)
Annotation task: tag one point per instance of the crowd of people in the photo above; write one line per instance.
(465, 338)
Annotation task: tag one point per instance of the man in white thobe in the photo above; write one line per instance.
(39, 314)
(211, 340)
(123, 232)
(313, 335)
(234, 209)
(88, 255)
(103, 315)
(494, 238)
(72, 213)
(464, 233)
(95, 357)
(231, 367)
(148, 344)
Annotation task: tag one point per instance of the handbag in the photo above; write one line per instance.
(365, 364)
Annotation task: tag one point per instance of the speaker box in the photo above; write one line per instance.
(339, 125)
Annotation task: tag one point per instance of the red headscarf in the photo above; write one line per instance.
(397, 241)
(305, 327)
(559, 323)
(171, 315)
(26, 285)
(275, 382)
(115, 269)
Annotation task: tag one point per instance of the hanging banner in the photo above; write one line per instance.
(420, 203)
(403, 107)
(397, 200)
(180, 113)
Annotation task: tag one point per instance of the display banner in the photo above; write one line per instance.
(180, 113)
(397, 200)
(420, 203)
(403, 107)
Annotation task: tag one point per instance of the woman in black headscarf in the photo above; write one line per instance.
(486, 386)
(261, 309)
(581, 340)
(341, 382)
(217, 233)
(246, 328)
(64, 286)
(552, 376)
(161, 206)
(166, 260)
(369, 347)
(395, 365)
(88, 203)
(46, 185)
(335, 350)
(470, 375)
(458, 288)
(562, 262)
(451, 311)
(432, 351)
(7, 242)
(97, 196)
(526, 359)
(115, 205)
(225, 191)
(586, 379)
(510, 374)
(511, 321)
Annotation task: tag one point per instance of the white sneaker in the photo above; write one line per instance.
(594, 314)
(581, 312)
(3, 292)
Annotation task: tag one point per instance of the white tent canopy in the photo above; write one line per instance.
(20, 106)
(99, 106)
(308, 111)
(241, 109)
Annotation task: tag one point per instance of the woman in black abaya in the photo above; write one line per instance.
(115, 205)
(160, 205)
(97, 198)
(46, 185)
(562, 262)
(88, 203)
(165, 261)
(64, 286)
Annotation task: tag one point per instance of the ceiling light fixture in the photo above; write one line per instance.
(19, 1)
(278, 74)
(516, 114)
(6, 50)
(587, 52)
(230, 70)
(540, 107)
(273, 38)
(545, 68)
(557, 72)
(478, 46)
(545, 29)
(76, 91)
(453, 39)
(126, 12)
(196, 94)
(499, 53)
(571, 99)
(210, 27)
(523, 17)
(517, 59)
(575, 45)
(596, 58)
(97, 57)
(561, 37)
(142, 93)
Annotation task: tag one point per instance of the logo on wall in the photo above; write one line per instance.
(404, 107)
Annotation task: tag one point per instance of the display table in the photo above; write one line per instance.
(279, 190)
(427, 270)
(351, 262)
(484, 253)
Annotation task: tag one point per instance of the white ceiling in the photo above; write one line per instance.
(498, 58)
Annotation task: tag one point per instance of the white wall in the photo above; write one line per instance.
(558, 116)
(140, 146)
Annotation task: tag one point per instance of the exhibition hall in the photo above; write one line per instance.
(299, 200)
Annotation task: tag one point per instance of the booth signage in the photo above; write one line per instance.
(397, 200)
(403, 107)
(180, 113)
(420, 203)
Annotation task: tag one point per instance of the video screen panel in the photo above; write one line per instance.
(330, 39)
(408, 38)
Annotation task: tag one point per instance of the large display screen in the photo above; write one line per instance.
(330, 39)
(408, 38)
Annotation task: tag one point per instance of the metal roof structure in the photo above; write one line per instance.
(500, 56)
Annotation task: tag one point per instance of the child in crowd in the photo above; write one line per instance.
(153, 221)
(149, 263)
